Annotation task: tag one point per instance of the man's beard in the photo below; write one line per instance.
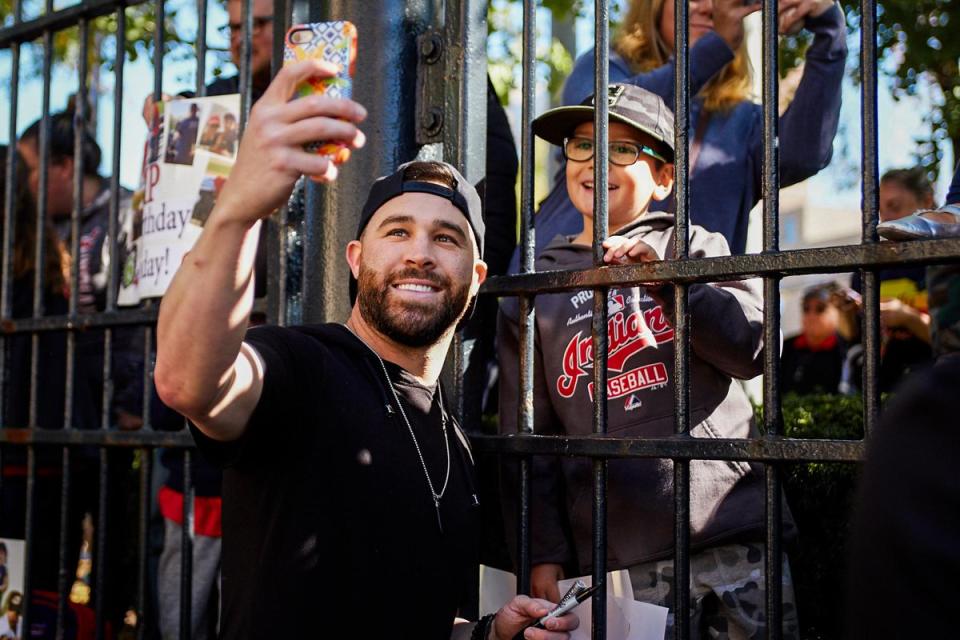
(406, 322)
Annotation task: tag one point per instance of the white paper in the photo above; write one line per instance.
(497, 587)
(13, 565)
(187, 160)
(627, 619)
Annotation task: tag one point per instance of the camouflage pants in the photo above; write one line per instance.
(727, 593)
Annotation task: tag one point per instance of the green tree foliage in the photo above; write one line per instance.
(919, 45)
(505, 53)
(141, 25)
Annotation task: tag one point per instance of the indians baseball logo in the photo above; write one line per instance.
(628, 333)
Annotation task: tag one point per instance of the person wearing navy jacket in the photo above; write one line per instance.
(726, 127)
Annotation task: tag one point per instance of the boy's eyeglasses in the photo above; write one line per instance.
(259, 22)
(622, 154)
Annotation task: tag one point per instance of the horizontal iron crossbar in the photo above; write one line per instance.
(784, 263)
(682, 448)
(768, 449)
(80, 322)
(97, 437)
(62, 19)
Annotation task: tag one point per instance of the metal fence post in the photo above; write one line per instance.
(385, 84)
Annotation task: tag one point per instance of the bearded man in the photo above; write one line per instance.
(348, 487)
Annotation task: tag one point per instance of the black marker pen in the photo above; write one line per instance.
(561, 609)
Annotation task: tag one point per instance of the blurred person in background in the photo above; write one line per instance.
(50, 408)
(812, 362)
(924, 222)
(93, 260)
(93, 264)
(904, 318)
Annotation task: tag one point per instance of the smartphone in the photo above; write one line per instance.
(335, 42)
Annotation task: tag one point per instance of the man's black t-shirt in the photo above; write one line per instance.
(327, 516)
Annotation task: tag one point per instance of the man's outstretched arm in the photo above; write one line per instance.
(204, 370)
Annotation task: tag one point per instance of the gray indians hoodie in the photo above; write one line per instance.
(726, 498)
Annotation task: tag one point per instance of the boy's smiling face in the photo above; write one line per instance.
(630, 189)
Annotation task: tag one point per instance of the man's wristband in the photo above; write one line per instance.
(482, 630)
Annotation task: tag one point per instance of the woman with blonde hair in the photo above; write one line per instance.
(726, 126)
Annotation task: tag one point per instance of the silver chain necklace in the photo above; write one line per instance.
(443, 425)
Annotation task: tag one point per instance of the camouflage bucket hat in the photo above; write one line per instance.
(631, 105)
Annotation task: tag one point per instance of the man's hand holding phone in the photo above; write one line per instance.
(272, 156)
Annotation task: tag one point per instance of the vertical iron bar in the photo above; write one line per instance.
(281, 22)
(112, 223)
(63, 578)
(277, 225)
(681, 313)
(148, 362)
(186, 550)
(146, 461)
(6, 256)
(525, 417)
(599, 321)
(147, 455)
(771, 317)
(43, 156)
(112, 290)
(100, 548)
(465, 127)
(158, 39)
(113, 284)
(870, 205)
(246, 51)
(28, 531)
(79, 130)
(201, 48)
(6, 277)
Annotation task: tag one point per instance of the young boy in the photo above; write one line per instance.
(726, 497)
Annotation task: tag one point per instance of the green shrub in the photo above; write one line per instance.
(820, 496)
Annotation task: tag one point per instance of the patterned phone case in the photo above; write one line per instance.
(334, 42)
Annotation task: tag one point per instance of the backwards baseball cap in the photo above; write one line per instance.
(629, 104)
(413, 177)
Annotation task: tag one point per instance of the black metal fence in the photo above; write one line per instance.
(461, 35)
(772, 264)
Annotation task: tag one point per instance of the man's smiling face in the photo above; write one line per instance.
(418, 268)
